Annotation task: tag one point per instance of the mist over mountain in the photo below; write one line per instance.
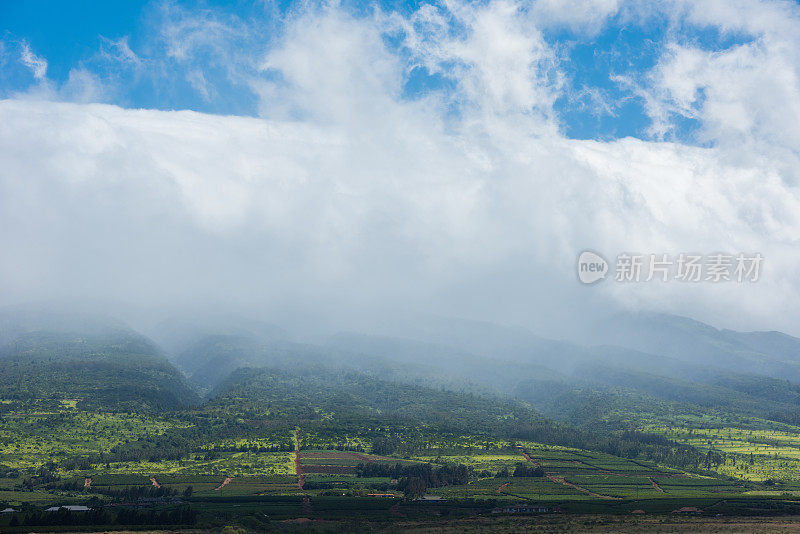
(645, 356)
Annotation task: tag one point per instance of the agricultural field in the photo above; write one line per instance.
(30, 438)
(757, 454)
(212, 464)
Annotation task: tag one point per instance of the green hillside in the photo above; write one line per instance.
(118, 370)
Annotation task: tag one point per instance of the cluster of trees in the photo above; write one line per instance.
(183, 515)
(65, 517)
(286, 446)
(393, 445)
(45, 474)
(415, 479)
(714, 459)
(125, 493)
(446, 475)
(133, 493)
(523, 470)
(625, 444)
(169, 446)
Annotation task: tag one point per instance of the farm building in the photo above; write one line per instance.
(70, 507)
(687, 510)
(521, 509)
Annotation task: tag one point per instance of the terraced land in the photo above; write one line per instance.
(757, 454)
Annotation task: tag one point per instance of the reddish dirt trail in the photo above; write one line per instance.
(656, 486)
(502, 486)
(561, 480)
(224, 483)
(395, 510)
(155, 483)
(87, 483)
(531, 460)
(301, 480)
(307, 505)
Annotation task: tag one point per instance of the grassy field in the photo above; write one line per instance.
(56, 456)
(756, 454)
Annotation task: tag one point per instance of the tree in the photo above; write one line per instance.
(412, 487)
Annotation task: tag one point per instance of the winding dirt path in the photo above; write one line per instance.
(502, 486)
(87, 483)
(531, 460)
(561, 480)
(224, 483)
(155, 482)
(656, 486)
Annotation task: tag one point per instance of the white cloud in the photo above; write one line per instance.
(38, 65)
(585, 16)
(745, 97)
(118, 50)
(347, 194)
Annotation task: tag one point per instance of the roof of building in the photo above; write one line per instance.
(687, 509)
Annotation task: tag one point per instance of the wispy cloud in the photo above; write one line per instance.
(36, 64)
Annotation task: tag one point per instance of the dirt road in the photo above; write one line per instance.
(297, 467)
(561, 480)
(224, 483)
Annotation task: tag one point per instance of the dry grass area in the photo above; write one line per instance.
(607, 524)
(550, 523)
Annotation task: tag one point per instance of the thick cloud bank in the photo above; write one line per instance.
(470, 201)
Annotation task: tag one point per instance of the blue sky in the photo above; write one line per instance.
(73, 35)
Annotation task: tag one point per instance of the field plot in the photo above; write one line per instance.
(516, 488)
(488, 462)
(277, 485)
(340, 462)
(750, 454)
(29, 439)
(224, 464)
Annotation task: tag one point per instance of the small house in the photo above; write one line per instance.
(432, 499)
(70, 507)
(521, 509)
(691, 510)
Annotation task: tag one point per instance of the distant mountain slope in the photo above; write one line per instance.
(210, 359)
(352, 394)
(664, 357)
(337, 400)
(763, 353)
(102, 365)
